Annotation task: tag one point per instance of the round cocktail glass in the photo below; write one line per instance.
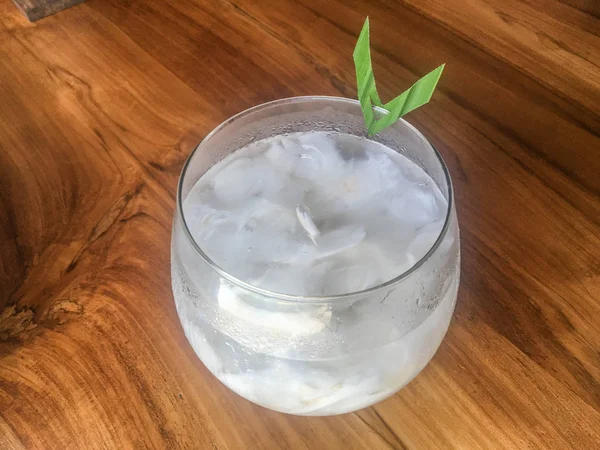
(314, 355)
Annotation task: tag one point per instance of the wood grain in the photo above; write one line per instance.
(38, 9)
(101, 104)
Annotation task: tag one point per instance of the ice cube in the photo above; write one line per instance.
(377, 173)
(312, 162)
(351, 277)
(261, 212)
(260, 244)
(204, 220)
(324, 202)
(244, 178)
(310, 157)
(424, 240)
(339, 239)
(289, 195)
(284, 153)
(416, 205)
(232, 184)
(268, 177)
(350, 149)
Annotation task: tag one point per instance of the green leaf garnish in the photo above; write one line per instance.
(418, 94)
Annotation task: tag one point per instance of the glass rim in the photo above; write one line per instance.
(309, 298)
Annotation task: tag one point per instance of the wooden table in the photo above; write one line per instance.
(101, 104)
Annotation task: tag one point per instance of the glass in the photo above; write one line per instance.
(314, 355)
